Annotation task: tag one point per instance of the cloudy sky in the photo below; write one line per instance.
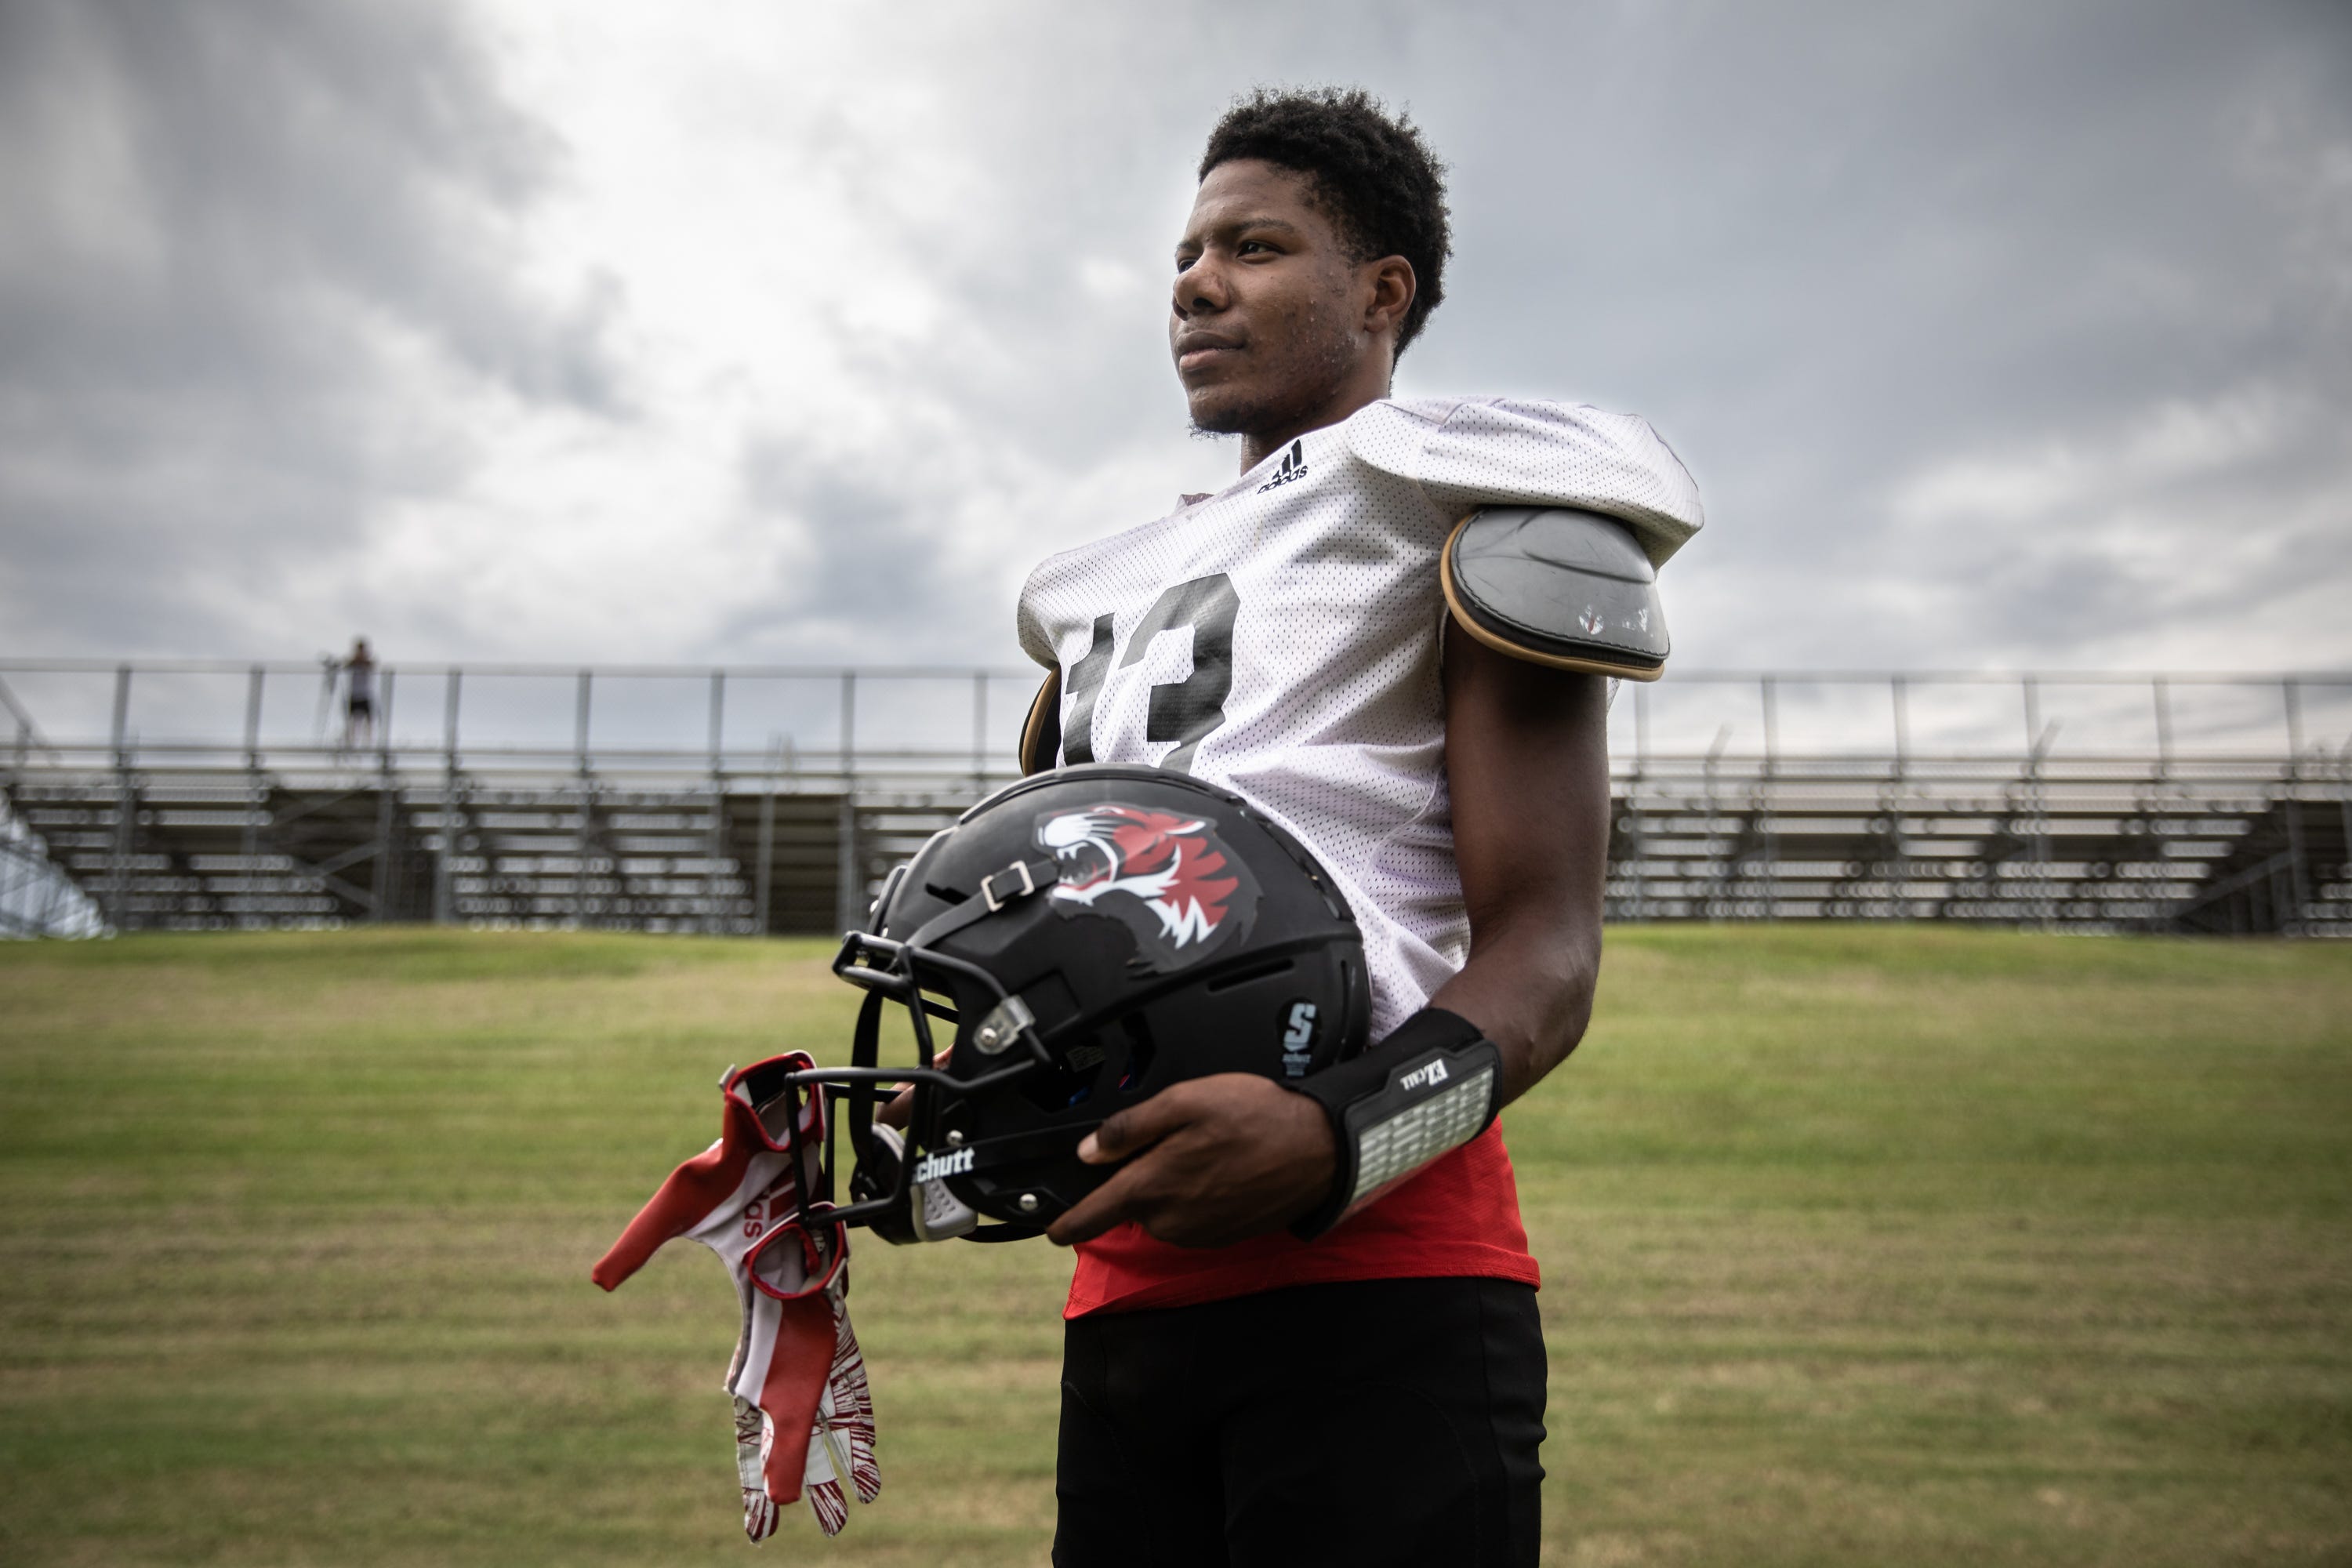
(1996, 335)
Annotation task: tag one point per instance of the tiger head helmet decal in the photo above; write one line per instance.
(1166, 876)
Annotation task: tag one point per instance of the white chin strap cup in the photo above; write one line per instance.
(937, 1214)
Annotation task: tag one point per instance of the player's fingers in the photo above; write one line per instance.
(1111, 1203)
(1138, 1126)
(900, 1106)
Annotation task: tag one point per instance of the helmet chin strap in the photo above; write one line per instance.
(1019, 881)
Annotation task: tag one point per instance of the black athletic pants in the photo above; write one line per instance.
(1388, 1421)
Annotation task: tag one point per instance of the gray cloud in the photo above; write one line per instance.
(1994, 334)
(1832, 259)
(243, 240)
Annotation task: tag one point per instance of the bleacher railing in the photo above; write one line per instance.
(961, 720)
(933, 737)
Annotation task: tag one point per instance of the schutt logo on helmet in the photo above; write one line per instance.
(1167, 878)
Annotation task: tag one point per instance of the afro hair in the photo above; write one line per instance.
(1370, 172)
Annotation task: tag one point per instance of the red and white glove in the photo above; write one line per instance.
(804, 1418)
(841, 1443)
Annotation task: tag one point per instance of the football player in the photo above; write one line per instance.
(1302, 1326)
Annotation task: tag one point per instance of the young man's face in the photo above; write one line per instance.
(1267, 322)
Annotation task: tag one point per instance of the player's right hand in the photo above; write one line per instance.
(1207, 1163)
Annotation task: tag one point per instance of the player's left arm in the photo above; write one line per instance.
(1527, 761)
(1218, 1159)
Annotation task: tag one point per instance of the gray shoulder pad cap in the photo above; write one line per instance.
(1558, 586)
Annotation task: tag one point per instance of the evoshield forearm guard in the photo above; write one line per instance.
(1429, 1088)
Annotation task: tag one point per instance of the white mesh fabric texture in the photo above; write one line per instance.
(1327, 713)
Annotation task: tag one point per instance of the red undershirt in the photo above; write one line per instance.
(1458, 1218)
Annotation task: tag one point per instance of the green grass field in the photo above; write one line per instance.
(1861, 1246)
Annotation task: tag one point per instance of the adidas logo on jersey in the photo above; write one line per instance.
(1294, 467)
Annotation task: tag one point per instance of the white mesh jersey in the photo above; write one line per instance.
(1281, 638)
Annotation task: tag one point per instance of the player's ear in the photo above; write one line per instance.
(1393, 286)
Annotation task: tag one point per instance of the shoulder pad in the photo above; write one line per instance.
(1041, 732)
(1553, 585)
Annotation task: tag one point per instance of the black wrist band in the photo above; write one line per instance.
(1432, 1086)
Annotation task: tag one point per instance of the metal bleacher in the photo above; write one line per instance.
(194, 795)
(2240, 824)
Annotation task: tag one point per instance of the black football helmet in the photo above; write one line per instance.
(1093, 935)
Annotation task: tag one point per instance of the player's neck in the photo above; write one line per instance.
(1356, 393)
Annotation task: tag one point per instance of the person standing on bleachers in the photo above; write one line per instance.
(359, 697)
